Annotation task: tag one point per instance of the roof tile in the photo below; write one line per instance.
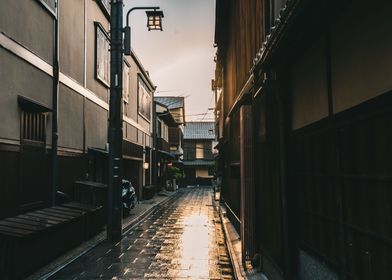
(199, 130)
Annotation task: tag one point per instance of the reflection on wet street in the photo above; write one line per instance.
(180, 240)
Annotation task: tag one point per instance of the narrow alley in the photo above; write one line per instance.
(239, 139)
(181, 239)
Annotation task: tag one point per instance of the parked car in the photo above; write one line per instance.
(128, 197)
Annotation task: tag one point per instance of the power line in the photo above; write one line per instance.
(169, 90)
(207, 108)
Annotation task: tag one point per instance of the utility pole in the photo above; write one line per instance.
(154, 22)
(114, 226)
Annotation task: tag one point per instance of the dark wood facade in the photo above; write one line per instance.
(198, 161)
(321, 99)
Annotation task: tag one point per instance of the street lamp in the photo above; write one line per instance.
(114, 221)
(154, 22)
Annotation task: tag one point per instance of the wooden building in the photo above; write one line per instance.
(313, 77)
(198, 157)
(54, 79)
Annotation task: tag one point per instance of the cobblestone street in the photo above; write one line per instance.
(180, 240)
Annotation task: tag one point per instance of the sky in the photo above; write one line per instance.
(180, 59)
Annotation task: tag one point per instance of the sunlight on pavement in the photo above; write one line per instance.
(180, 240)
(195, 246)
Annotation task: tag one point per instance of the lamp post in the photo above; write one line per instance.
(154, 22)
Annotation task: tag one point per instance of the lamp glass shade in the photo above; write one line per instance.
(146, 165)
(154, 20)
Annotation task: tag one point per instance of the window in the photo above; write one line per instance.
(50, 5)
(199, 151)
(159, 132)
(144, 100)
(102, 55)
(202, 173)
(166, 133)
(33, 126)
(105, 6)
(125, 81)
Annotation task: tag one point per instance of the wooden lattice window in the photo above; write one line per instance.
(33, 126)
(199, 151)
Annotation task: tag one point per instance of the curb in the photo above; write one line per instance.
(237, 265)
(50, 270)
(239, 271)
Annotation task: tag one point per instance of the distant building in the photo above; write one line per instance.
(170, 111)
(176, 106)
(162, 158)
(198, 157)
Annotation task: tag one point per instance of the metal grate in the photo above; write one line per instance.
(33, 126)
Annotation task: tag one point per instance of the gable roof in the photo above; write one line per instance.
(199, 130)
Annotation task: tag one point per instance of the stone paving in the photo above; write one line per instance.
(180, 240)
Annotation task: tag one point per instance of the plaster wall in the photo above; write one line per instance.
(361, 69)
(96, 125)
(309, 87)
(72, 39)
(94, 14)
(20, 78)
(28, 23)
(131, 133)
(70, 119)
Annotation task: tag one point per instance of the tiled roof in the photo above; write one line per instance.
(199, 130)
(198, 162)
(171, 102)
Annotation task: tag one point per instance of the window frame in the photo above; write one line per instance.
(142, 84)
(199, 151)
(48, 7)
(127, 66)
(105, 9)
(33, 126)
(100, 28)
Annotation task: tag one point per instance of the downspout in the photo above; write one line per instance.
(283, 179)
(154, 144)
(56, 70)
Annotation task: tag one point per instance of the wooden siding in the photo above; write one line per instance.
(190, 149)
(245, 26)
(174, 135)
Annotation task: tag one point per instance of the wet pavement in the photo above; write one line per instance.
(182, 239)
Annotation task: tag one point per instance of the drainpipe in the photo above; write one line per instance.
(283, 176)
(56, 70)
(154, 145)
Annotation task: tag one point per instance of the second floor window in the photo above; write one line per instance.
(102, 55)
(125, 82)
(199, 151)
(105, 5)
(50, 5)
(159, 132)
(144, 100)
